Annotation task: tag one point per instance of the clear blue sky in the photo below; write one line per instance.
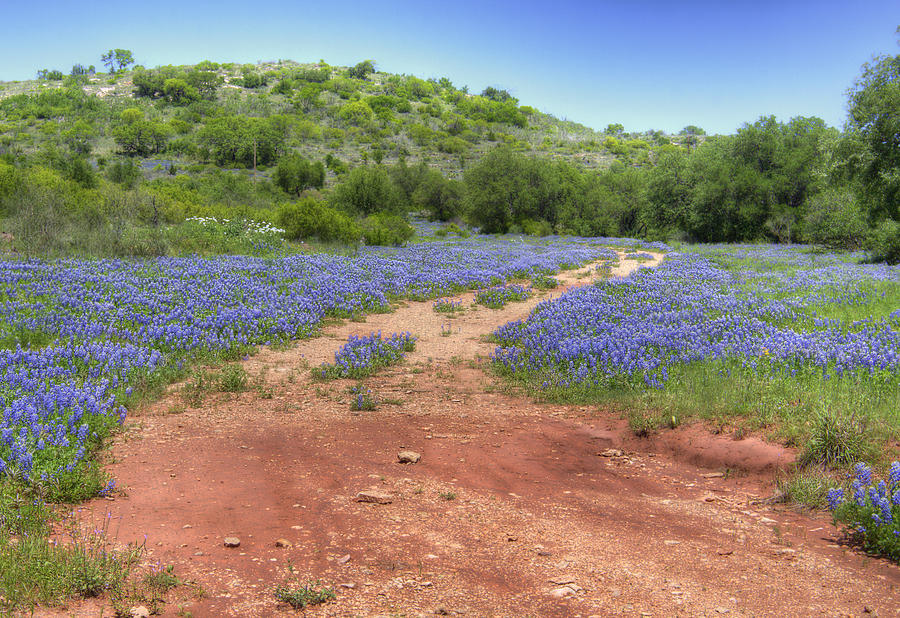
(647, 64)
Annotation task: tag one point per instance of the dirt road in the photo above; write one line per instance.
(516, 508)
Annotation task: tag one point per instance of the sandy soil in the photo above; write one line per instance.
(515, 508)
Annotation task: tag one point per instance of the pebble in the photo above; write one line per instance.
(344, 559)
(232, 541)
(283, 543)
(139, 612)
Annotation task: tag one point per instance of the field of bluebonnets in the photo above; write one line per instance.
(805, 343)
(76, 337)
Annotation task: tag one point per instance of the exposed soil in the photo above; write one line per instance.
(512, 509)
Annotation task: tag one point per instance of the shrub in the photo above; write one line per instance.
(837, 439)
(835, 219)
(386, 230)
(884, 242)
(309, 218)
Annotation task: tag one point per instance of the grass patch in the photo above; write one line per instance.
(304, 596)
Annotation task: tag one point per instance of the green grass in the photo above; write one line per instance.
(303, 596)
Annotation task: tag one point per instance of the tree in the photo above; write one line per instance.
(614, 129)
(367, 190)
(362, 69)
(499, 95)
(295, 174)
(441, 197)
(874, 120)
(180, 92)
(117, 59)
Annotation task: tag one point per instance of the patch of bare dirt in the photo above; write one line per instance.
(515, 507)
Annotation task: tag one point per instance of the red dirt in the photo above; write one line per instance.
(509, 496)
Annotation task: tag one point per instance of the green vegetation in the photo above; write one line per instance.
(261, 142)
(302, 596)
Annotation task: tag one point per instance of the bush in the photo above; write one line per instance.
(386, 230)
(368, 190)
(835, 219)
(294, 174)
(884, 242)
(309, 218)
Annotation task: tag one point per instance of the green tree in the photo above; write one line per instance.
(295, 174)
(874, 120)
(180, 92)
(362, 69)
(117, 59)
(367, 190)
(439, 196)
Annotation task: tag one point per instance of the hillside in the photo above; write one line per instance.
(317, 110)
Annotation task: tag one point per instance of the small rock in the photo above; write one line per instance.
(512, 538)
(672, 542)
(425, 584)
(611, 452)
(722, 610)
(767, 520)
(544, 553)
(186, 527)
(562, 592)
(724, 552)
(283, 543)
(408, 457)
(232, 541)
(713, 475)
(139, 612)
(348, 585)
(374, 496)
(344, 559)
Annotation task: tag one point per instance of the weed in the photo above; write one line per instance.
(805, 487)
(448, 495)
(301, 597)
(837, 439)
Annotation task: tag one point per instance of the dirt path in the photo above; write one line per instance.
(511, 510)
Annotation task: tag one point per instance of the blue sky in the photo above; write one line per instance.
(646, 64)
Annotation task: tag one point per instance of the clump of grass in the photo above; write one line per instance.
(543, 281)
(808, 488)
(231, 378)
(838, 440)
(445, 305)
(448, 495)
(303, 596)
(36, 569)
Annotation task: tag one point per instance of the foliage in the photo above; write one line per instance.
(386, 230)
(117, 59)
(834, 219)
(873, 101)
(368, 190)
(497, 297)
(295, 174)
(884, 242)
(363, 356)
(310, 218)
(301, 597)
(871, 517)
(362, 69)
